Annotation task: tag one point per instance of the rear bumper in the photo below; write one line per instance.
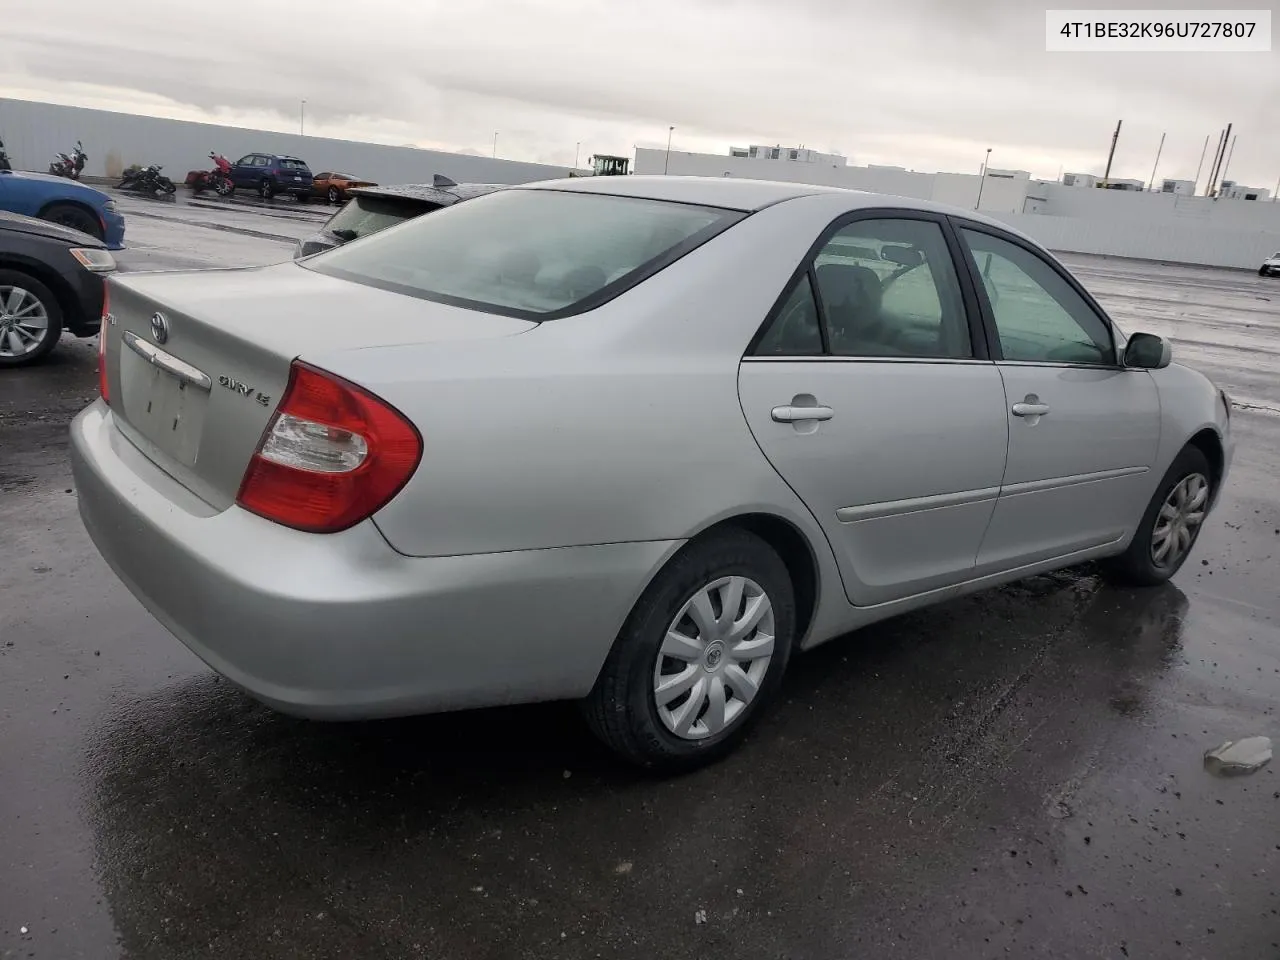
(342, 626)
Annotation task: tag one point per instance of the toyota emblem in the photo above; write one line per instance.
(159, 327)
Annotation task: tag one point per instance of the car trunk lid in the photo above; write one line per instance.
(197, 363)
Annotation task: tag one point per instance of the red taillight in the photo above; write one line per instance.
(332, 455)
(102, 348)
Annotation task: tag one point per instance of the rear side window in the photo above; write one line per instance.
(528, 253)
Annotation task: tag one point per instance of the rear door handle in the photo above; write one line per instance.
(791, 414)
(1030, 409)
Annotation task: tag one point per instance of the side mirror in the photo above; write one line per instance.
(1146, 351)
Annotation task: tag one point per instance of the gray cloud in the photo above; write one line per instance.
(923, 83)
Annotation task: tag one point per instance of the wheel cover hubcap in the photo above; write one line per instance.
(714, 658)
(24, 322)
(1178, 522)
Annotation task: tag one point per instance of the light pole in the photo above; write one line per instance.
(577, 151)
(982, 178)
(495, 143)
(667, 162)
(302, 118)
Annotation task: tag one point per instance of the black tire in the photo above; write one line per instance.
(1262, 271)
(1136, 567)
(224, 188)
(266, 188)
(301, 197)
(17, 278)
(621, 709)
(334, 196)
(77, 218)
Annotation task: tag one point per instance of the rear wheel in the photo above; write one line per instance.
(1262, 271)
(700, 656)
(333, 195)
(77, 218)
(266, 189)
(1170, 526)
(30, 319)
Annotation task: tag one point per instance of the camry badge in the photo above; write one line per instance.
(159, 327)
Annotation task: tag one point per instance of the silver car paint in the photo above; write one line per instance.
(565, 463)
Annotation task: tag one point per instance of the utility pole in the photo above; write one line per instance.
(1217, 167)
(1203, 151)
(667, 162)
(1217, 153)
(577, 150)
(1106, 176)
(495, 143)
(1226, 165)
(1159, 150)
(302, 118)
(982, 177)
(1276, 191)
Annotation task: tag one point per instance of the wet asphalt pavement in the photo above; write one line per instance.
(1017, 773)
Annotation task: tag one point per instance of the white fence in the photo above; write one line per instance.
(34, 132)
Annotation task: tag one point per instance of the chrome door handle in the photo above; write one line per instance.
(1030, 409)
(791, 414)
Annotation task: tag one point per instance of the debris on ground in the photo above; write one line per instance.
(700, 917)
(1237, 757)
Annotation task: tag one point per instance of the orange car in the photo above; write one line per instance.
(334, 186)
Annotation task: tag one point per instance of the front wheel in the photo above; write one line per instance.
(1170, 526)
(700, 656)
(224, 188)
(1262, 271)
(76, 218)
(30, 319)
(333, 195)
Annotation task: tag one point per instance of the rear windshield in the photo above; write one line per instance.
(291, 164)
(365, 215)
(528, 253)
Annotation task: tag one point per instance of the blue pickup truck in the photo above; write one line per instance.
(65, 202)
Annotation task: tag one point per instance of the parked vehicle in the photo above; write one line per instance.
(218, 179)
(334, 186)
(58, 200)
(148, 181)
(69, 166)
(634, 441)
(371, 209)
(50, 281)
(1270, 266)
(270, 174)
(4, 158)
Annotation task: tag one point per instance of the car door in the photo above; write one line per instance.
(870, 392)
(1083, 430)
(242, 171)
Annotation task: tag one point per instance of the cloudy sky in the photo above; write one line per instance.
(926, 84)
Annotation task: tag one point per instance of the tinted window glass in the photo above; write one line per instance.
(794, 330)
(288, 164)
(889, 289)
(526, 252)
(245, 161)
(365, 215)
(1038, 315)
(260, 161)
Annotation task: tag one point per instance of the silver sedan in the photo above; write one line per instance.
(632, 441)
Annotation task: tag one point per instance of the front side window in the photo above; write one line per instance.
(1039, 317)
(528, 253)
(245, 161)
(889, 289)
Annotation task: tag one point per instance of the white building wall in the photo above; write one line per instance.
(1150, 240)
(34, 132)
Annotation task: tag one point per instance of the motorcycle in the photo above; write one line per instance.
(218, 179)
(146, 180)
(4, 158)
(69, 166)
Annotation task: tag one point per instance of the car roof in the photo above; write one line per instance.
(425, 192)
(750, 195)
